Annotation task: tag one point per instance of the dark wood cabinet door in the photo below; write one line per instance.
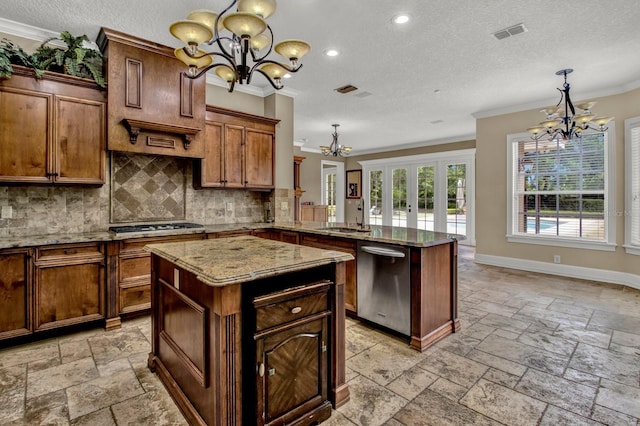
(259, 159)
(25, 137)
(80, 141)
(15, 300)
(208, 172)
(69, 285)
(292, 372)
(233, 156)
(68, 294)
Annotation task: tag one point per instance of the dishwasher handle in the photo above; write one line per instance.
(381, 251)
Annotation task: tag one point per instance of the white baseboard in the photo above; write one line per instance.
(592, 274)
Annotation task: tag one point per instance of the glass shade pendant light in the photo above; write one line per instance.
(566, 124)
(242, 40)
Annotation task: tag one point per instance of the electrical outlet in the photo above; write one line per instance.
(229, 206)
(284, 205)
(556, 258)
(7, 212)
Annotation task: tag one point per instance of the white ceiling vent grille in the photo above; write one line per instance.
(511, 31)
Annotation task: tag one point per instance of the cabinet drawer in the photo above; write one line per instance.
(135, 268)
(69, 251)
(282, 307)
(136, 245)
(134, 298)
(327, 242)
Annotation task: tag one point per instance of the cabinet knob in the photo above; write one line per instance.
(261, 370)
(296, 310)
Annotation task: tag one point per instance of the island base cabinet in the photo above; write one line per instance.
(292, 356)
(233, 355)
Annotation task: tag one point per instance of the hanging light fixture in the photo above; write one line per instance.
(335, 149)
(251, 38)
(566, 124)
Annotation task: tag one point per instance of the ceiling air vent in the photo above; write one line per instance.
(346, 89)
(362, 94)
(511, 31)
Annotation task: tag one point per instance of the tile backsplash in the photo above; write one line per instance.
(147, 188)
(139, 188)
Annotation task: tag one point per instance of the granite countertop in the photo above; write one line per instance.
(382, 234)
(105, 236)
(377, 233)
(232, 260)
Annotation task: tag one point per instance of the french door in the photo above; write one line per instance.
(430, 192)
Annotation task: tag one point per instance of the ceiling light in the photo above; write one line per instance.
(331, 52)
(401, 19)
(335, 149)
(243, 40)
(566, 124)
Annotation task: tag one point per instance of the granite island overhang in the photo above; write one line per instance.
(249, 331)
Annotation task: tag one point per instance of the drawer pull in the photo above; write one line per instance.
(296, 310)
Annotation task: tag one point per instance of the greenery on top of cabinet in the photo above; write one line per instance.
(75, 59)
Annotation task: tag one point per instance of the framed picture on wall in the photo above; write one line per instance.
(354, 183)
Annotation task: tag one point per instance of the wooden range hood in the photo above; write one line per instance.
(153, 108)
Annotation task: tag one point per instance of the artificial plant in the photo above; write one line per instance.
(10, 54)
(75, 60)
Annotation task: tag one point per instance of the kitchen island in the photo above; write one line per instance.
(430, 280)
(248, 330)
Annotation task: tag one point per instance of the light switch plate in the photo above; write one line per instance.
(229, 206)
(284, 205)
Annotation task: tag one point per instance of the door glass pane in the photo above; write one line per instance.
(330, 195)
(375, 197)
(399, 212)
(425, 198)
(457, 199)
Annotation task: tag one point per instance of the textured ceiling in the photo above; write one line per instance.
(447, 46)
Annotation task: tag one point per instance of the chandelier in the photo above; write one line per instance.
(335, 149)
(565, 123)
(247, 38)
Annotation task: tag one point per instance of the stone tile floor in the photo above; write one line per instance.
(533, 350)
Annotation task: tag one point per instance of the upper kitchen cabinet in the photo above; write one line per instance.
(52, 130)
(239, 151)
(154, 108)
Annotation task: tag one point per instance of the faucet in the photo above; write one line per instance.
(361, 210)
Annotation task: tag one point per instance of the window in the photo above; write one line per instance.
(560, 191)
(632, 185)
(375, 197)
(433, 192)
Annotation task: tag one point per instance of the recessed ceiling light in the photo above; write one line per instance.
(401, 19)
(287, 75)
(331, 52)
(437, 91)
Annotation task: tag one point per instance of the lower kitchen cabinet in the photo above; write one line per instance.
(69, 285)
(132, 292)
(15, 293)
(348, 246)
(291, 355)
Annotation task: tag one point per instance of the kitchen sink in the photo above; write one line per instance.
(345, 230)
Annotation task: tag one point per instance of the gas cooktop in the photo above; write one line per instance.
(153, 227)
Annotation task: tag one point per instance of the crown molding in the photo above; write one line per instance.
(249, 89)
(615, 90)
(25, 31)
(453, 139)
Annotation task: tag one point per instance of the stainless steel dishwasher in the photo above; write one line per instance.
(384, 287)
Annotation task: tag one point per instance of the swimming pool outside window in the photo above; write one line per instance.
(559, 190)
